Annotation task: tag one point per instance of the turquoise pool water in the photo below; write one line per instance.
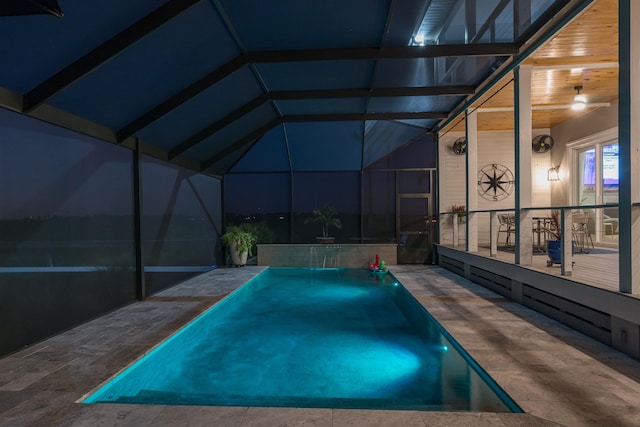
(338, 338)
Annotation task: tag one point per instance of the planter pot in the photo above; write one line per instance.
(554, 251)
(237, 258)
(325, 240)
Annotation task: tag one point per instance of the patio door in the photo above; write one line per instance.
(596, 183)
(414, 229)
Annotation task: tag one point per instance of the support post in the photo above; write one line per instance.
(567, 245)
(629, 140)
(141, 291)
(472, 173)
(494, 224)
(524, 218)
(454, 225)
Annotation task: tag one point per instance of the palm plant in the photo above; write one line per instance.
(327, 217)
(555, 228)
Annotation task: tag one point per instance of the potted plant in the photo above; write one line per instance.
(261, 231)
(240, 243)
(554, 246)
(461, 211)
(327, 217)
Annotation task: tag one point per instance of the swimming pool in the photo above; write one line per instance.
(337, 338)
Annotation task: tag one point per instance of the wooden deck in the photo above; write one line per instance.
(597, 268)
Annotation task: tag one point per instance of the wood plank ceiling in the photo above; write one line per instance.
(584, 53)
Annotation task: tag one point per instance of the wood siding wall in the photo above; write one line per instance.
(493, 147)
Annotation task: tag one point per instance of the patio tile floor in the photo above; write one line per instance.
(557, 375)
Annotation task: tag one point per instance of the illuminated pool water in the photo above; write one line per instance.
(337, 338)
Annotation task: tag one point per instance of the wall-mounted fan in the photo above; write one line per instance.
(459, 146)
(542, 143)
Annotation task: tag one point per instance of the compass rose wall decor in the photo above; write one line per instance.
(495, 182)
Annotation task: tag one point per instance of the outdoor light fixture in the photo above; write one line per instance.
(579, 101)
(553, 174)
(419, 39)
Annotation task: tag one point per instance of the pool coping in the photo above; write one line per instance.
(40, 384)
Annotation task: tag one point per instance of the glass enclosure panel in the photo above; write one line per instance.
(323, 146)
(379, 207)
(414, 182)
(382, 138)
(261, 200)
(66, 229)
(537, 8)
(502, 30)
(268, 154)
(365, 201)
(420, 152)
(181, 223)
(315, 190)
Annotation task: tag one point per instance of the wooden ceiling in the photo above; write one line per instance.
(584, 53)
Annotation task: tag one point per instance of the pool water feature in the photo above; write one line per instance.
(333, 338)
(325, 256)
